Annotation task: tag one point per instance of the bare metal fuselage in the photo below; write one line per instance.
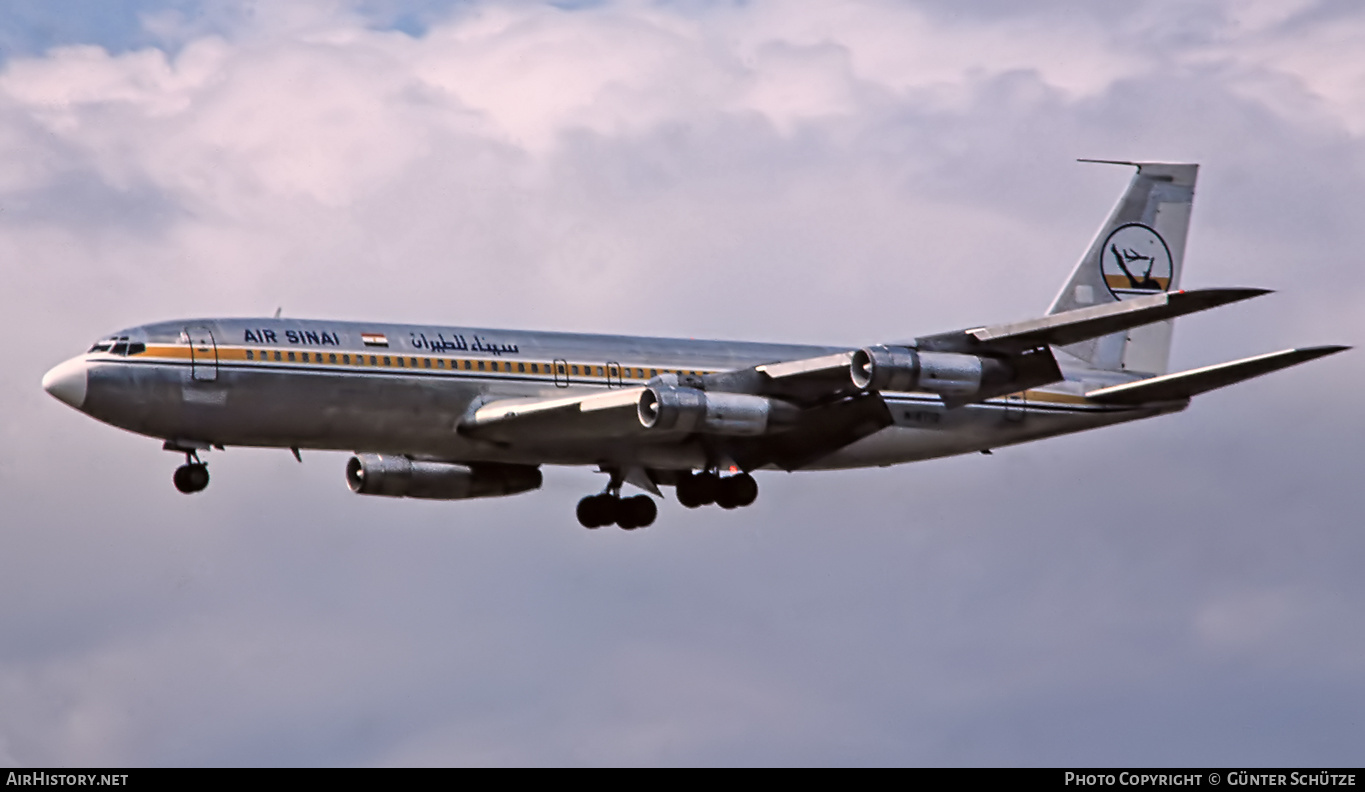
(320, 385)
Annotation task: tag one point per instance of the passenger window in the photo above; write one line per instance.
(414, 362)
(521, 368)
(250, 355)
(374, 361)
(305, 357)
(401, 363)
(573, 369)
(277, 356)
(480, 365)
(653, 372)
(440, 364)
(345, 360)
(331, 358)
(426, 362)
(386, 361)
(599, 371)
(535, 369)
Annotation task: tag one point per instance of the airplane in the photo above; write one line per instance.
(447, 413)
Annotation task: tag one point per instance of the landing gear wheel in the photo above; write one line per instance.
(636, 512)
(687, 491)
(742, 489)
(596, 511)
(190, 478)
(726, 496)
(697, 489)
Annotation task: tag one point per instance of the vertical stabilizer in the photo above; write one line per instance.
(1138, 251)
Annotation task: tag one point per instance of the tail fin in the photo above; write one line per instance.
(1139, 250)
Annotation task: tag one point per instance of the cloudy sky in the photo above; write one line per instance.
(1186, 590)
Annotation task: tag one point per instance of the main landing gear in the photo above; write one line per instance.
(193, 476)
(606, 508)
(700, 489)
(609, 507)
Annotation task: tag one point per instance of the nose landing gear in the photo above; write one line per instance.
(193, 476)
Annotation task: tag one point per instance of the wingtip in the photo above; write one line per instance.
(1322, 351)
(1245, 292)
(1226, 294)
(1106, 161)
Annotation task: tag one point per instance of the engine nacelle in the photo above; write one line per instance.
(944, 373)
(401, 477)
(666, 408)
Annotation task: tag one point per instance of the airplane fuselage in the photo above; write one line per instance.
(405, 389)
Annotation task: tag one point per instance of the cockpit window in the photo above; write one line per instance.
(119, 346)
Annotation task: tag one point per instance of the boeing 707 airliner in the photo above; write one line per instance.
(445, 412)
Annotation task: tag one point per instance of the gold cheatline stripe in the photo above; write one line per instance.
(472, 365)
(1122, 282)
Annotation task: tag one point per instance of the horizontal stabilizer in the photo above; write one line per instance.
(1081, 324)
(1173, 387)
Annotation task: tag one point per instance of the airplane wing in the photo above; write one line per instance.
(1083, 324)
(1021, 349)
(806, 383)
(815, 434)
(1185, 384)
(590, 414)
(790, 413)
(752, 431)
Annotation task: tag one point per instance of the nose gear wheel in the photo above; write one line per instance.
(193, 476)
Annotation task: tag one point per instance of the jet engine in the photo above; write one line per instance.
(668, 408)
(945, 373)
(401, 477)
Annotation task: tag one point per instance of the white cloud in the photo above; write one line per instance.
(806, 171)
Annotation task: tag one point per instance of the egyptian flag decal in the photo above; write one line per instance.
(374, 339)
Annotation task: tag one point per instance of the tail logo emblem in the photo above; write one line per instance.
(1135, 261)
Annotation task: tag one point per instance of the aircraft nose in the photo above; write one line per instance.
(67, 382)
